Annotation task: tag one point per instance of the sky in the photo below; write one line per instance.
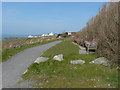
(32, 18)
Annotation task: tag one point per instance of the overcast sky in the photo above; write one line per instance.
(27, 18)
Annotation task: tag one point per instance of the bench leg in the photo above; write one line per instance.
(88, 48)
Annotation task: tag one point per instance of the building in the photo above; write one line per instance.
(30, 36)
(69, 33)
(51, 34)
(43, 35)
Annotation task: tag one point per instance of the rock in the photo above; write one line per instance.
(102, 60)
(47, 81)
(83, 52)
(58, 57)
(41, 59)
(74, 43)
(40, 84)
(77, 62)
(25, 71)
(117, 68)
(82, 48)
(109, 85)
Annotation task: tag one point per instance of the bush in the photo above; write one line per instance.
(104, 27)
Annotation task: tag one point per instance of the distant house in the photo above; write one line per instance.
(30, 36)
(63, 35)
(46, 35)
(69, 33)
(51, 34)
(35, 36)
(59, 36)
(43, 35)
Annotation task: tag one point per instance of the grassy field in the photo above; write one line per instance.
(55, 74)
(8, 53)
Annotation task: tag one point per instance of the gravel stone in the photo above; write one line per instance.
(77, 62)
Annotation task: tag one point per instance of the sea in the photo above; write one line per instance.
(4, 36)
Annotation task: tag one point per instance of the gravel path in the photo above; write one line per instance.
(16, 66)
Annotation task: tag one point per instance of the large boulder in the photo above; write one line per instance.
(101, 60)
(58, 57)
(77, 62)
(41, 59)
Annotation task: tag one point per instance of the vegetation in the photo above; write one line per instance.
(104, 28)
(9, 52)
(18, 42)
(56, 74)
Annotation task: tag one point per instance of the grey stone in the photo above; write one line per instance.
(41, 59)
(82, 48)
(83, 52)
(25, 71)
(58, 57)
(74, 43)
(101, 60)
(77, 62)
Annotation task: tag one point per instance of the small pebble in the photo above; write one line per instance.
(40, 83)
(75, 68)
(47, 81)
(63, 78)
(25, 71)
(109, 85)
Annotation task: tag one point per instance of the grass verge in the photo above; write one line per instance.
(8, 53)
(55, 74)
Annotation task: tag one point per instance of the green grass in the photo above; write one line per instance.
(65, 75)
(8, 53)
